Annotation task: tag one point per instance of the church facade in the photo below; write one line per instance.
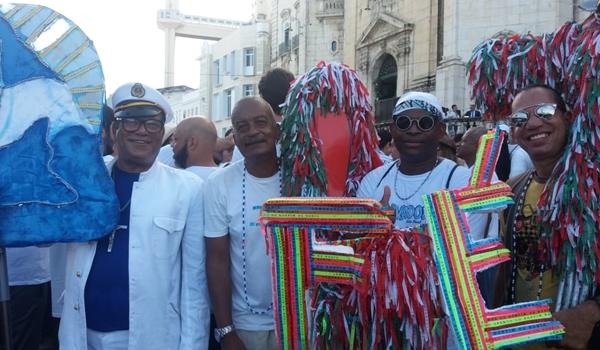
(403, 45)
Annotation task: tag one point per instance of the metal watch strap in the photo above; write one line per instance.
(223, 331)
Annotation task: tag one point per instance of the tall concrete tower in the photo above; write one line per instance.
(177, 24)
(173, 5)
(169, 22)
(260, 9)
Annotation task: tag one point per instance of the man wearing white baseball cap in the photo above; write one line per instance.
(143, 286)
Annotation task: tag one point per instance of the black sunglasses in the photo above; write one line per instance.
(543, 111)
(425, 123)
(152, 126)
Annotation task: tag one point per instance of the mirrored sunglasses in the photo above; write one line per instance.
(544, 111)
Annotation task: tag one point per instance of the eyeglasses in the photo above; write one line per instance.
(425, 123)
(543, 111)
(152, 126)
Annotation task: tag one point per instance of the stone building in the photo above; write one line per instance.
(231, 68)
(184, 101)
(402, 45)
(394, 45)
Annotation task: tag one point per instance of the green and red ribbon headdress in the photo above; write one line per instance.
(328, 136)
(568, 60)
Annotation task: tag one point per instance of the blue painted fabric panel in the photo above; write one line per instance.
(54, 186)
(77, 160)
(18, 62)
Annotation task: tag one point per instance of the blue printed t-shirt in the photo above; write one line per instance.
(107, 287)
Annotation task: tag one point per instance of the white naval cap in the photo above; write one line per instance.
(134, 100)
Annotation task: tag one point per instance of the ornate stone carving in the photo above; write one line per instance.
(363, 59)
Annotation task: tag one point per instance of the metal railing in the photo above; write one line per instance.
(175, 15)
(384, 109)
(284, 48)
(455, 126)
(331, 8)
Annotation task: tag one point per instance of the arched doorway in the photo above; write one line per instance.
(385, 83)
(384, 88)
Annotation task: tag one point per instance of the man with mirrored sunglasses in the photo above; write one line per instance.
(541, 127)
(143, 286)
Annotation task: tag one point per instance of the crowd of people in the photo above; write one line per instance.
(189, 245)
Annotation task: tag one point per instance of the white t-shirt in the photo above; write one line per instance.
(165, 156)
(237, 155)
(451, 114)
(411, 211)
(28, 265)
(384, 157)
(223, 215)
(202, 171)
(520, 161)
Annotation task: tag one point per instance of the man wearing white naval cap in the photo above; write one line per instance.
(143, 286)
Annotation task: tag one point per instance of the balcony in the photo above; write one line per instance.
(173, 15)
(384, 109)
(330, 8)
(284, 48)
(455, 126)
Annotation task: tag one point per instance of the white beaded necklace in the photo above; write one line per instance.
(245, 282)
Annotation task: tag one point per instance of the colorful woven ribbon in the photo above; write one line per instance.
(458, 260)
(374, 289)
(568, 60)
(342, 278)
(327, 88)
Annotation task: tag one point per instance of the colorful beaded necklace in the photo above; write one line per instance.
(520, 201)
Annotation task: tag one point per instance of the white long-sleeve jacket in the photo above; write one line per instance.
(168, 295)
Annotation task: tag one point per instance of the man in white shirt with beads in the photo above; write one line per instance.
(238, 268)
(417, 128)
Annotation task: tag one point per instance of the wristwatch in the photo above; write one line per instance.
(222, 332)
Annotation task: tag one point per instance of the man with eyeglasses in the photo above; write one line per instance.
(143, 286)
(541, 127)
(417, 129)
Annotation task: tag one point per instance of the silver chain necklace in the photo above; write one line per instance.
(418, 188)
